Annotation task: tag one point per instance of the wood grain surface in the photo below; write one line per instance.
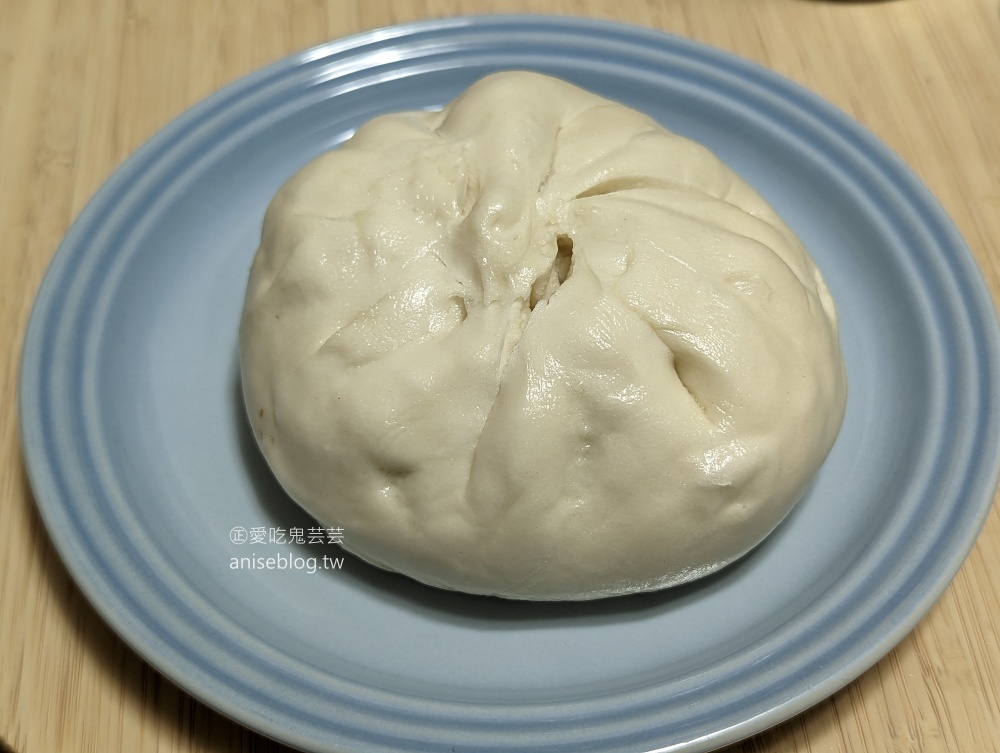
(85, 82)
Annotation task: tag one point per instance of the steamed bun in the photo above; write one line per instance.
(534, 345)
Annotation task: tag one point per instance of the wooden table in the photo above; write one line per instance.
(85, 82)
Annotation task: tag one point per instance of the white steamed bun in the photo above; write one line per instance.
(534, 345)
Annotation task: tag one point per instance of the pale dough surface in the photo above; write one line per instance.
(534, 345)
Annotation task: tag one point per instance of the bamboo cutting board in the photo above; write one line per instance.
(84, 82)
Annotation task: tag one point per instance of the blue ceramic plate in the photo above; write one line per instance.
(154, 493)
